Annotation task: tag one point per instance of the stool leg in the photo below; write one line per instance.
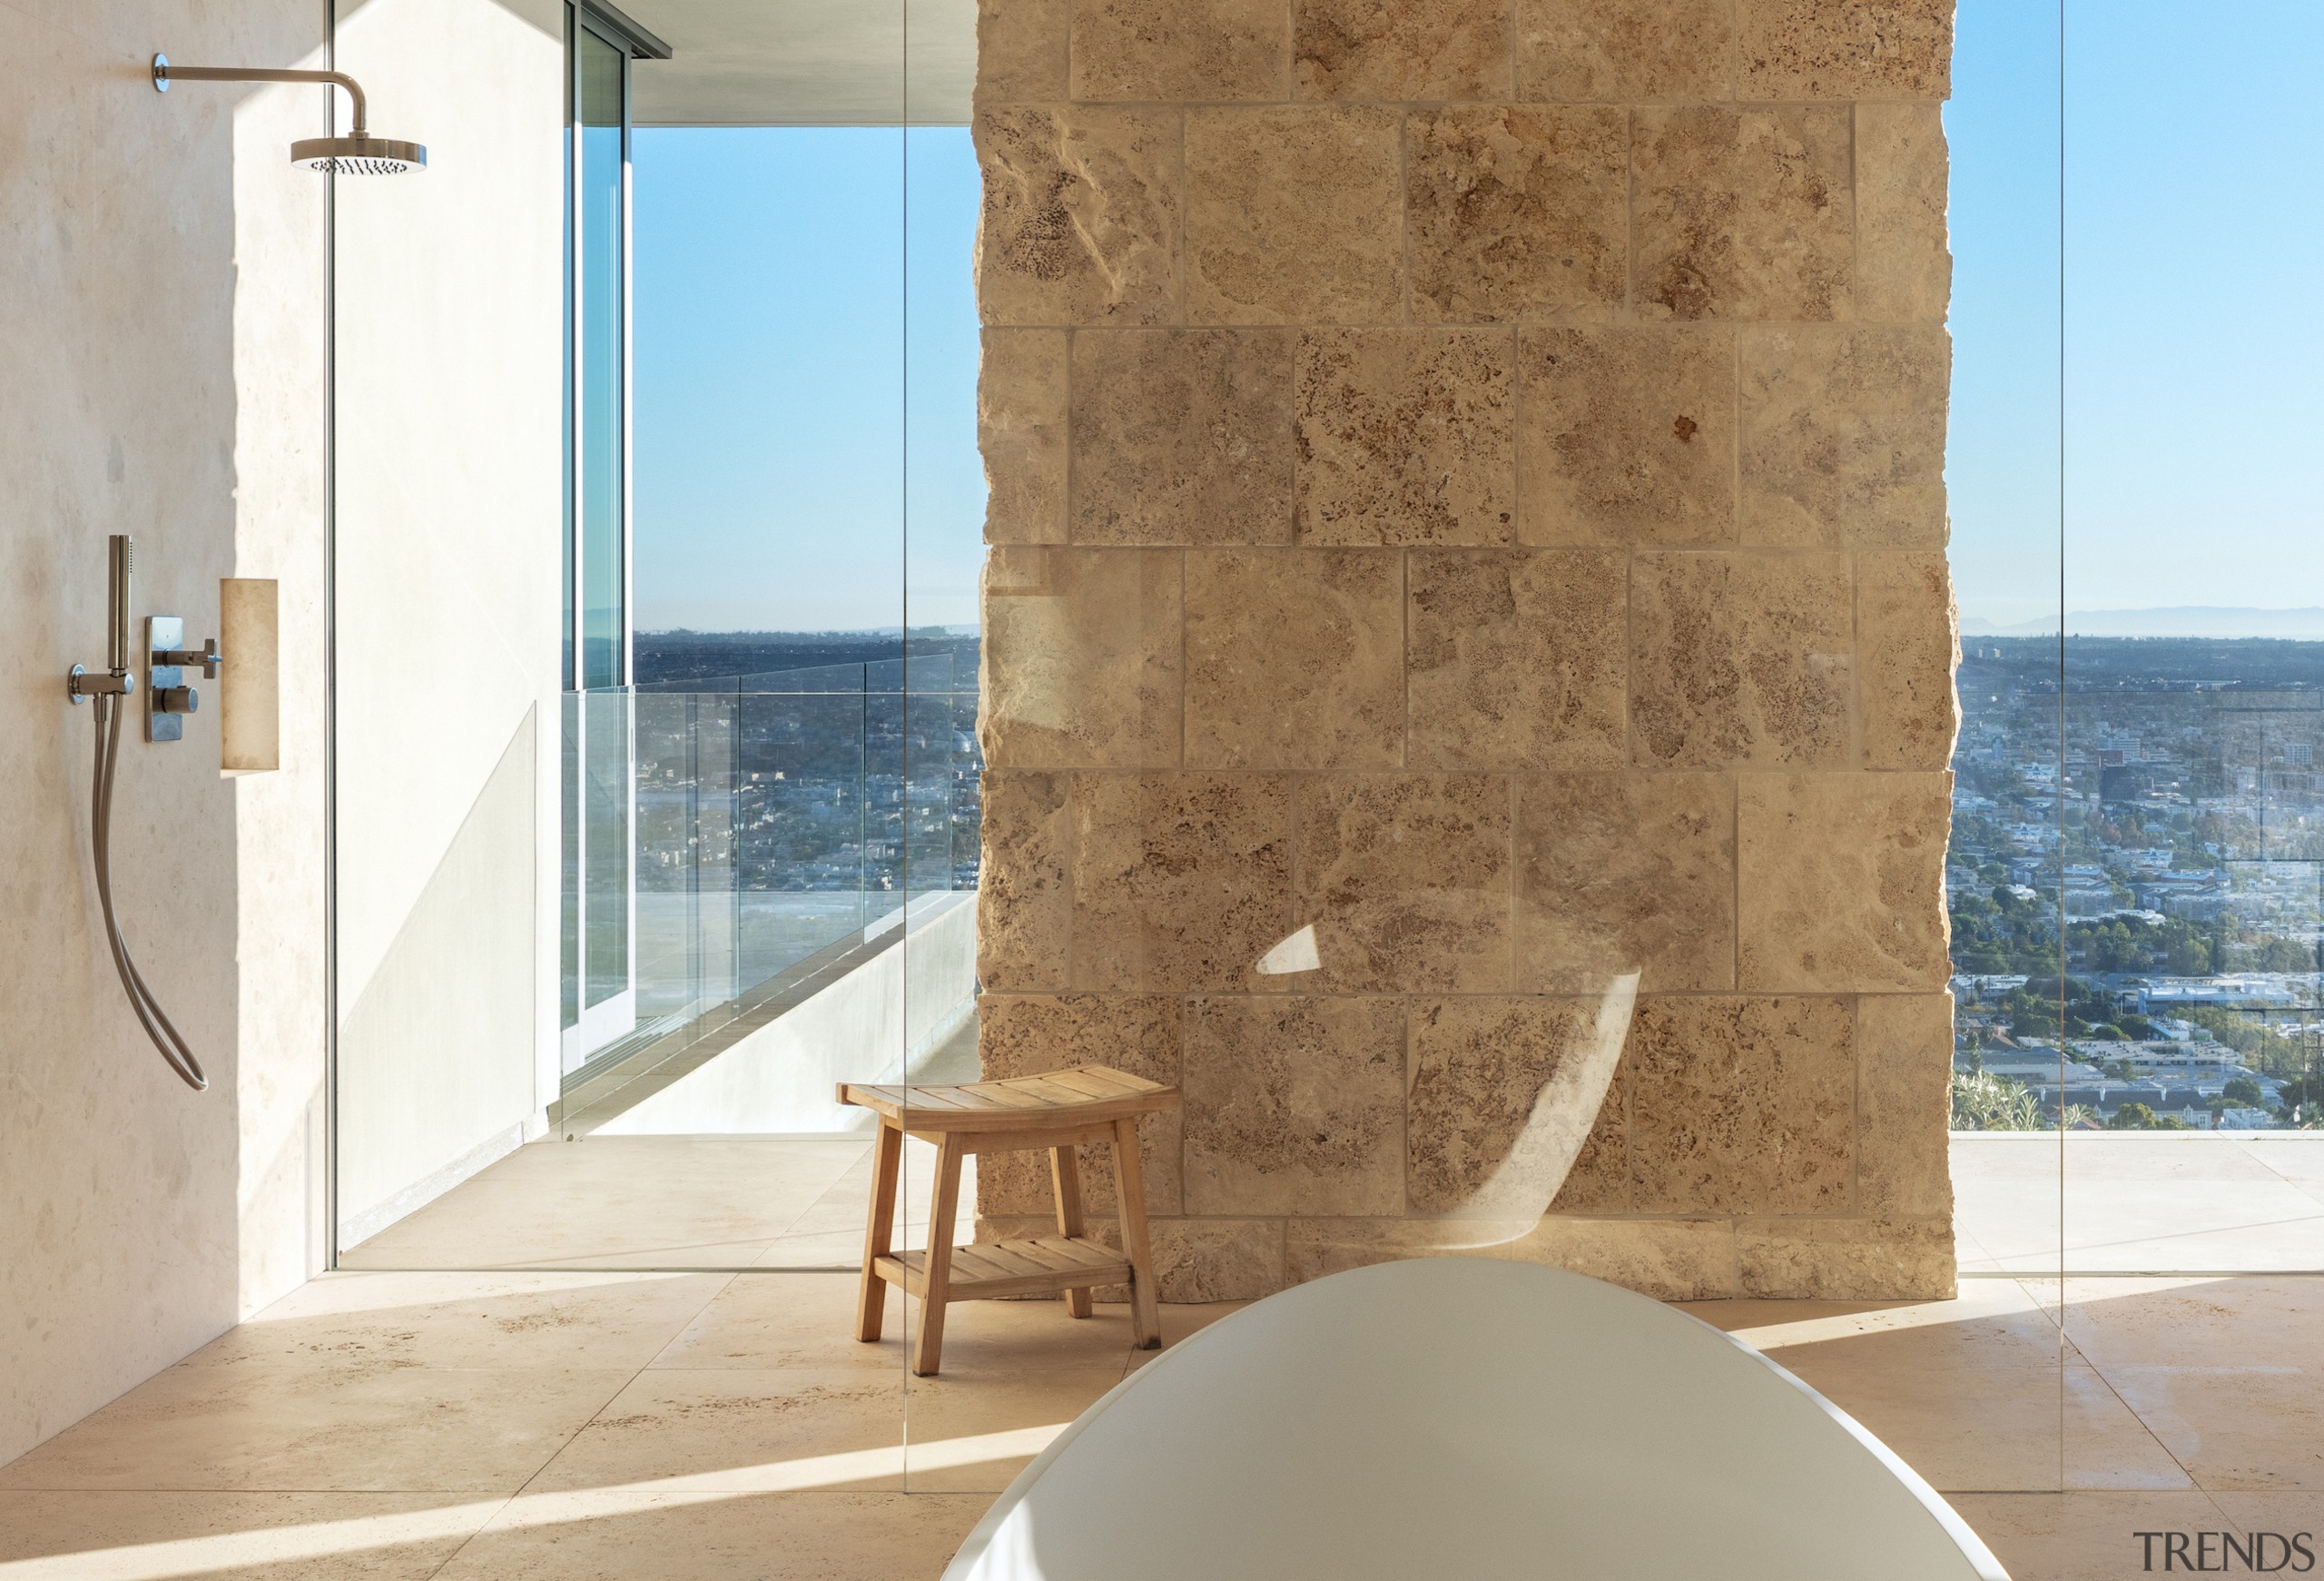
(1130, 1185)
(878, 1232)
(1065, 1182)
(933, 1298)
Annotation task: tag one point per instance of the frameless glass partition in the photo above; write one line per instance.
(2004, 868)
(2192, 699)
(678, 514)
(2004, 488)
(629, 882)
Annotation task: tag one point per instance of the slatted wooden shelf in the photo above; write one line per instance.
(1047, 1266)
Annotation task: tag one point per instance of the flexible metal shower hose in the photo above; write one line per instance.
(150, 1015)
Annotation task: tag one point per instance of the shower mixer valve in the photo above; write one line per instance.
(168, 698)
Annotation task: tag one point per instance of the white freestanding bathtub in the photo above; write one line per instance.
(1468, 1417)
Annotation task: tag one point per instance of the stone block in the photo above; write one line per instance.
(1844, 49)
(1627, 435)
(1182, 436)
(1904, 1105)
(1217, 1260)
(1021, 431)
(1316, 1248)
(1295, 658)
(1841, 881)
(1405, 877)
(1907, 651)
(1599, 1180)
(1406, 437)
(1201, 50)
(1021, 51)
(1623, 873)
(1400, 50)
(1855, 1259)
(1479, 1140)
(1843, 435)
(1181, 881)
(1517, 658)
(1517, 214)
(1295, 1106)
(1080, 662)
(1026, 1036)
(1741, 660)
(1671, 1259)
(1294, 215)
(1597, 52)
(1081, 215)
(1743, 212)
(1904, 268)
(1742, 1105)
(1024, 904)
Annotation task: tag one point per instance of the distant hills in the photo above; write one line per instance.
(2182, 620)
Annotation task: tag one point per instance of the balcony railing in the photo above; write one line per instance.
(719, 835)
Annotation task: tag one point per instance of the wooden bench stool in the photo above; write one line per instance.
(1057, 1112)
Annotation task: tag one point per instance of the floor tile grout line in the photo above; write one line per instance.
(2099, 1372)
(482, 1527)
(570, 1438)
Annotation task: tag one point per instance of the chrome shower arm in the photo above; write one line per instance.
(164, 74)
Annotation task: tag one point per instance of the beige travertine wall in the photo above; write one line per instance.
(1467, 476)
(161, 356)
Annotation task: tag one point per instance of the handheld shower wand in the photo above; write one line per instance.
(110, 694)
(119, 552)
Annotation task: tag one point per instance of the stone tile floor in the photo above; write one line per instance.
(588, 1414)
(2212, 1202)
(614, 1424)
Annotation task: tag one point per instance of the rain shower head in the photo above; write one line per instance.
(357, 153)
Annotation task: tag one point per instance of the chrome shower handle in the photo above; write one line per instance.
(209, 658)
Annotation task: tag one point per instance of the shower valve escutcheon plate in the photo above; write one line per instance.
(168, 698)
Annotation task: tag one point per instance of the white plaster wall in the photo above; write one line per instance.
(887, 1014)
(449, 515)
(161, 357)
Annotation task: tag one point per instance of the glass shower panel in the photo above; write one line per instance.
(600, 231)
(936, 817)
(671, 920)
(2004, 877)
(2194, 647)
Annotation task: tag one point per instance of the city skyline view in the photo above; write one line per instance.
(2133, 870)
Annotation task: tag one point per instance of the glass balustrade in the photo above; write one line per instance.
(734, 832)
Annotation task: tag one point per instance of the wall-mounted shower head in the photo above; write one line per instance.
(357, 153)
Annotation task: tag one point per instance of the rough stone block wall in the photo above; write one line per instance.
(1467, 477)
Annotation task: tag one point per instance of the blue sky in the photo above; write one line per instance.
(2192, 382)
(781, 430)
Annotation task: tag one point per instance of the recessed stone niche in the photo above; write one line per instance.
(1467, 479)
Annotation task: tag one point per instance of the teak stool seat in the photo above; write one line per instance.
(1056, 1112)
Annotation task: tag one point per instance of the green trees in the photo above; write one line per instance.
(2140, 1117)
(1987, 1103)
(2186, 952)
(2282, 955)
